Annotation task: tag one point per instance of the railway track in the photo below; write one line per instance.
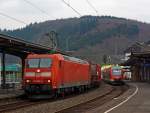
(83, 107)
(97, 101)
(14, 105)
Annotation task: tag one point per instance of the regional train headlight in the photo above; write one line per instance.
(112, 80)
(97, 73)
(46, 74)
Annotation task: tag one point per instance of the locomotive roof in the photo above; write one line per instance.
(42, 55)
(60, 56)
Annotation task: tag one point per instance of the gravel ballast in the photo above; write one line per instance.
(52, 107)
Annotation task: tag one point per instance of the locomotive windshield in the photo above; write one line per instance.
(38, 63)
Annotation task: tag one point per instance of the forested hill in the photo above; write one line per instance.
(88, 34)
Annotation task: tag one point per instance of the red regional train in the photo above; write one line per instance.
(113, 75)
(55, 74)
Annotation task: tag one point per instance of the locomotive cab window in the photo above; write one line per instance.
(45, 62)
(38, 63)
(32, 63)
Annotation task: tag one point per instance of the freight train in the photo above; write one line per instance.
(113, 75)
(55, 74)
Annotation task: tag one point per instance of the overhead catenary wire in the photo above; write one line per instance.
(13, 18)
(71, 7)
(38, 8)
(92, 7)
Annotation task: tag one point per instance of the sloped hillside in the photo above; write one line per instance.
(89, 36)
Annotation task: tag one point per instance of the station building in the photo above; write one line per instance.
(140, 66)
(139, 62)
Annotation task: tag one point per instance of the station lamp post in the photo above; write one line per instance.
(3, 69)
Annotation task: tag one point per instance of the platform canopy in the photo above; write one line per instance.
(19, 47)
(138, 58)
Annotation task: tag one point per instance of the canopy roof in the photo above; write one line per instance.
(21, 48)
(137, 58)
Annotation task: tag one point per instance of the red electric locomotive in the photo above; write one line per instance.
(113, 75)
(57, 74)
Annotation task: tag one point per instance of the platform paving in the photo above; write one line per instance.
(139, 103)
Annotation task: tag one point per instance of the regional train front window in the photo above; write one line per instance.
(38, 63)
(116, 72)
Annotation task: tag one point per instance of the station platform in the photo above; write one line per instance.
(135, 100)
(10, 93)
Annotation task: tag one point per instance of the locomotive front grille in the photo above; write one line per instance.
(34, 88)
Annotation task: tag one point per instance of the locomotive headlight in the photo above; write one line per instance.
(46, 74)
(27, 81)
(48, 81)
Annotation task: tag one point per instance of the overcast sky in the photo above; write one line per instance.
(56, 9)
